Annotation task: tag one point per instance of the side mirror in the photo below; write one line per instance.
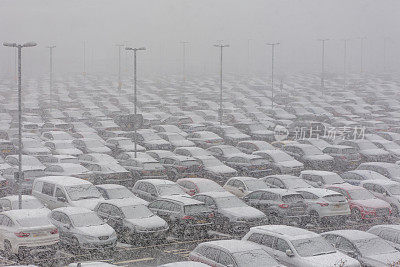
(192, 192)
(319, 183)
(241, 189)
(352, 254)
(6, 208)
(385, 194)
(67, 226)
(213, 207)
(61, 199)
(289, 253)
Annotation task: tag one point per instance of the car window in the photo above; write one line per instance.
(255, 195)
(268, 196)
(379, 189)
(59, 193)
(2, 217)
(344, 245)
(63, 218)
(268, 240)
(225, 259)
(115, 211)
(48, 189)
(281, 245)
(308, 195)
(212, 254)
(278, 183)
(105, 208)
(256, 238)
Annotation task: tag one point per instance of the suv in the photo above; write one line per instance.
(280, 205)
(293, 246)
(186, 216)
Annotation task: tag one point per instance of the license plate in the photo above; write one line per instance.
(337, 206)
(191, 175)
(201, 221)
(36, 235)
(6, 151)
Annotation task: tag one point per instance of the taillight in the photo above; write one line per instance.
(181, 168)
(343, 157)
(54, 231)
(27, 180)
(208, 141)
(187, 217)
(283, 206)
(322, 204)
(211, 215)
(22, 234)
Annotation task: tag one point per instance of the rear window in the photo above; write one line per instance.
(259, 162)
(196, 209)
(335, 198)
(34, 221)
(190, 163)
(292, 198)
(349, 150)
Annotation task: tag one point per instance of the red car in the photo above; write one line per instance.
(363, 204)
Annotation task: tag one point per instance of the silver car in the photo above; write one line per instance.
(81, 228)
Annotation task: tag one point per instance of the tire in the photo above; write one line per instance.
(356, 215)
(395, 211)
(7, 249)
(74, 245)
(314, 218)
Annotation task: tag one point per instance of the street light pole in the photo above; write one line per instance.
(384, 54)
(272, 71)
(248, 57)
(135, 89)
(51, 74)
(184, 60)
(84, 60)
(19, 49)
(323, 65)
(119, 66)
(361, 53)
(220, 113)
(345, 62)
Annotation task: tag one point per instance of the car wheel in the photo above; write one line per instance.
(74, 245)
(395, 210)
(7, 249)
(356, 215)
(274, 219)
(314, 218)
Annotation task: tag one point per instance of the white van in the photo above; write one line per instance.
(63, 191)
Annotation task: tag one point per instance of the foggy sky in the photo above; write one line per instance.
(161, 24)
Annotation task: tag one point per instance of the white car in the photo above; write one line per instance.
(298, 247)
(28, 202)
(27, 232)
(325, 205)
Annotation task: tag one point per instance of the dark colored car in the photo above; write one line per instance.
(280, 205)
(346, 157)
(180, 166)
(187, 217)
(249, 165)
(310, 156)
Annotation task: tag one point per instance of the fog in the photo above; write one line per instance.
(161, 25)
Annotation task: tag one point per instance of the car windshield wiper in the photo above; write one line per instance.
(87, 197)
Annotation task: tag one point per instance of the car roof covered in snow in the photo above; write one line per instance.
(285, 231)
(63, 180)
(233, 245)
(352, 234)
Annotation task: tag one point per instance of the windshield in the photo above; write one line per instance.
(257, 257)
(229, 202)
(312, 246)
(209, 187)
(125, 142)
(366, 145)
(93, 143)
(79, 192)
(259, 162)
(335, 198)
(296, 183)
(136, 212)
(231, 130)
(30, 203)
(255, 184)
(360, 194)
(394, 189)
(212, 162)
(257, 127)
(333, 179)
(34, 221)
(196, 209)
(64, 145)
(394, 170)
(311, 150)
(85, 219)
(170, 189)
(279, 157)
(292, 198)
(374, 246)
(120, 193)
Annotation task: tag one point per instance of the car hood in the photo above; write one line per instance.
(373, 152)
(220, 169)
(383, 259)
(99, 149)
(290, 164)
(157, 142)
(243, 212)
(69, 151)
(87, 203)
(147, 223)
(372, 203)
(97, 230)
(237, 136)
(319, 157)
(331, 260)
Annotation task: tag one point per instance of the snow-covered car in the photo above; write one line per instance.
(367, 248)
(28, 232)
(132, 220)
(232, 252)
(81, 228)
(294, 246)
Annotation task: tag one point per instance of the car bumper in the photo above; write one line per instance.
(36, 247)
(100, 244)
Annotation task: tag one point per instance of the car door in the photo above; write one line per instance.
(3, 230)
(265, 203)
(279, 252)
(115, 220)
(48, 190)
(66, 227)
(345, 246)
(253, 199)
(60, 197)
